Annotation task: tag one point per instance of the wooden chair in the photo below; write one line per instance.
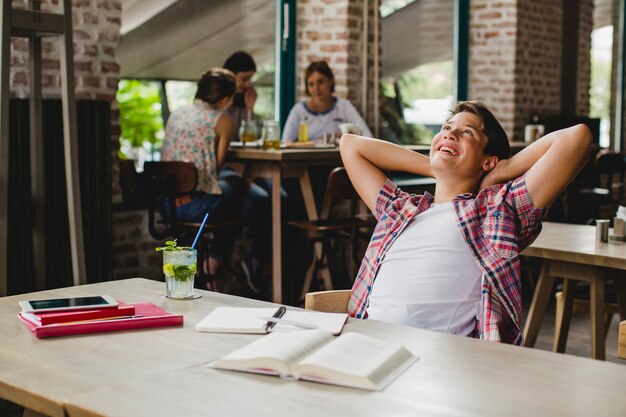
(330, 301)
(564, 312)
(328, 231)
(621, 341)
(176, 180)
(600, 190)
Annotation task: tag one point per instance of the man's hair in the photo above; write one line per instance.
(497, 140)
(240, 62)
(321, 67)
(215, 84)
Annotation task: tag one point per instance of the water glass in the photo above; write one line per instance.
(248, 131)
(271, 135)
(179, 267)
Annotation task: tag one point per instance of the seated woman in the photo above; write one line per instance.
(256, 203)
(200, 133)
(324, 111)
(243, 66)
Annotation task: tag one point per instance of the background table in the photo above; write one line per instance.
(277, 164)
(162, 372)
(570, 251)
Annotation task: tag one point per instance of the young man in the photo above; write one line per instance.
(450, 262)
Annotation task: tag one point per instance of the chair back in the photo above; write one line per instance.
(171, 180)
(339, 185)
(609, 166)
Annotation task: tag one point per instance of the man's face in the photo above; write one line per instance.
(243, 80)
(458, 149)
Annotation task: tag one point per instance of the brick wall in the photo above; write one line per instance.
(96, 34)
(332, 30)
(515, 59)
(133, 247)
(585, 28)
(492, 57)
(537, 61)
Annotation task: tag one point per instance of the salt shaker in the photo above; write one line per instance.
(602, 230)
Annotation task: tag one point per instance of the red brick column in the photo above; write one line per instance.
(333, 30)
(515, 59)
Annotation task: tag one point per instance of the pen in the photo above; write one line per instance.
(279, 313)
(275, 320)
(95, 320)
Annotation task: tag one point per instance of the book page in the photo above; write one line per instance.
(286, 348)
(355, 360)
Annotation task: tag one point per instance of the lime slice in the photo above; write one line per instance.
(168, 269)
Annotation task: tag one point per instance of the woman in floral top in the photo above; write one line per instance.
(200, 133)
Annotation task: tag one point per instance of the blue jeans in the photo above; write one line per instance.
(219, 206)
(256, 211)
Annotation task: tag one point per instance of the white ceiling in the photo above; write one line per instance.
(179, 39)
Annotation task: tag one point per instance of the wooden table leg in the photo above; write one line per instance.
(597, 315)
(538, 305)
(311, 210)
(619, 284)
(277, 280)
(564, 316)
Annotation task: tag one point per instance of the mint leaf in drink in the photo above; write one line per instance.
(170, 246)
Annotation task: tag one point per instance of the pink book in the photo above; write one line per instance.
(149, 315)
(43, 319)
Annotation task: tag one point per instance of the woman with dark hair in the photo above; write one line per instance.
(243, 66)
(201, 133)
(256, 204)
(323, 110)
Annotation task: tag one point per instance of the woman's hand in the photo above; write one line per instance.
(249, 98)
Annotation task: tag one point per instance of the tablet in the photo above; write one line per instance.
(74, 303)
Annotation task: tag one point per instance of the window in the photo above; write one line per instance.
(418, 71)
(600, 89)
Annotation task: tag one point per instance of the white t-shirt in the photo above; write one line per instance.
(319, 123)
(428, 278)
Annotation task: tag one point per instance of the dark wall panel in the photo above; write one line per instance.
(94, 136)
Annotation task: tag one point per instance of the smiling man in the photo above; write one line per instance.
(450, 262)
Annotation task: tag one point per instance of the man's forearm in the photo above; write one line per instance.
(366, 161)
(387, 156)
(521, 162)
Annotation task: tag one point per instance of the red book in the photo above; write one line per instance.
(147, 315)
(43, 319)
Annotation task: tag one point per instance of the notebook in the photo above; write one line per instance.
(249, 320)
(148, 316)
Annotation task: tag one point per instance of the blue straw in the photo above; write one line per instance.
(193, 246)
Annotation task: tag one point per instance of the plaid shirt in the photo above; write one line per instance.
(496, 224)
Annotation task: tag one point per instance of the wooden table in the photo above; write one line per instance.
(162, 372)
(571, 252)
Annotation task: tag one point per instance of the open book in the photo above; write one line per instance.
(352, 359)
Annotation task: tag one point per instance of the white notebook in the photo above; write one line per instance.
(249, 320)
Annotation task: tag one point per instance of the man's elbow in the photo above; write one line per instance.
(583, 136)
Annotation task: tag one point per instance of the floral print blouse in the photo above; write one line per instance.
(190, 137)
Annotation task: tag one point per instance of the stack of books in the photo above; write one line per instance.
(122, 317)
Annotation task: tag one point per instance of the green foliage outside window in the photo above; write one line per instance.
(140, 117)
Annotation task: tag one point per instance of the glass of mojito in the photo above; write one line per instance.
(179, 267)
